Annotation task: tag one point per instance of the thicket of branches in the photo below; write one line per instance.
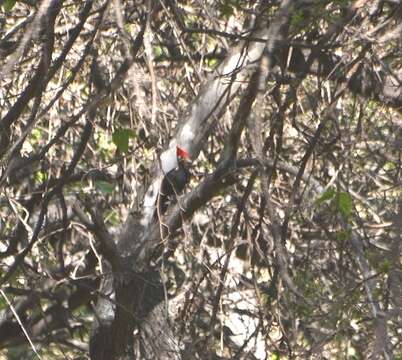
(286, 242)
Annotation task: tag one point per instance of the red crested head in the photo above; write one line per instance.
(182, 154)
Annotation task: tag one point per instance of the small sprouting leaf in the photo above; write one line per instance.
(211, 63)
(326, 195)
(41, 176)
(104, 186)
(158, 51)
(35, 136)
(275, 356)
(345, 204)
(120, 138)
(8, 4)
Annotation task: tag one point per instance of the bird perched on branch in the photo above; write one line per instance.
(175, 162)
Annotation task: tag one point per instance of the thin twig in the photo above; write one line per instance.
(20, 323)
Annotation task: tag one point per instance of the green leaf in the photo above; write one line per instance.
(275, 356)
(8, 4)
(345, 204)
(36, 135)
(112, 217)
(104, 186)
(120, 138)
(326, 195)
(390, 165)
(211, 63)
(41, 176)
(385, 266)
(158, 51)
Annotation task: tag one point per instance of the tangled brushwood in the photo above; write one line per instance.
(200, 179)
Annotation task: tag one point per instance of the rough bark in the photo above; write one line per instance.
(140, 242)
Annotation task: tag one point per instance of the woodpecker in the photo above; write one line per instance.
(175, 162)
